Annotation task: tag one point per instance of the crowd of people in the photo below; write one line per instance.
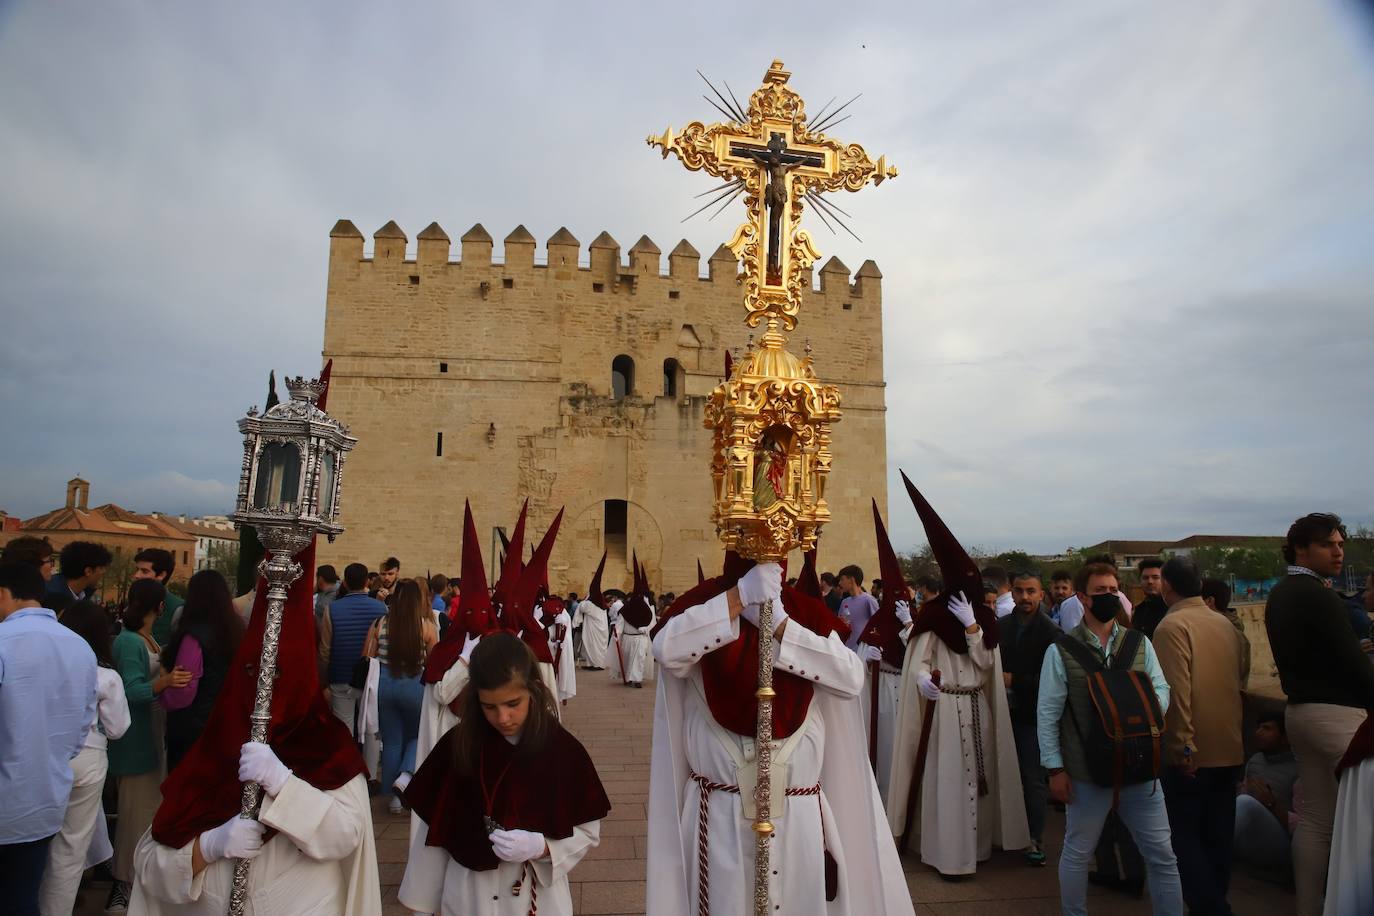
(945, 716)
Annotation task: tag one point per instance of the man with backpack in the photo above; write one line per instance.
(1100, 720)
(1199, 651)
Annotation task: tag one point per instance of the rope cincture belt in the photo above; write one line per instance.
(973, 693)
(704, 831)
(527, 870)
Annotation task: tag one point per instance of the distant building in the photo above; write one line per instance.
(1128, 553)
(123, 532)
(212, 532)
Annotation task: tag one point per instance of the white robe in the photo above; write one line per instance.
(889, 692)
(1350, 876)
(828, 750)
(322, 862)
(566, 669)
(633, 646)
(591, 618)
(957, 827)
(434, 883)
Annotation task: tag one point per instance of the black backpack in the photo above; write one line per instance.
(1122, 743)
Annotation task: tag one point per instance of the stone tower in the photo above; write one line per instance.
(576, 382)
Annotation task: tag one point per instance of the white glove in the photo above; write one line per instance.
(236, 838)
(869, 653)
(927, 686)
(751, 613)
(517, 845)
(468, 646)
(1005, 604)
(961, 609)
(904, 613)
(258, 763)
(760, 584)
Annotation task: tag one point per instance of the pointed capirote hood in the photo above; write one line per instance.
(535, 577)
(807, 581)
(701, 576)
(894, 583)
(594, 593)
(512, 566)
(325, 375)
(474, 617)
(636, 609)
(958, 573)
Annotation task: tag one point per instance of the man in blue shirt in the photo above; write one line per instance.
(343, 630)
(858, 606)
(1063, 694)
(47, 705)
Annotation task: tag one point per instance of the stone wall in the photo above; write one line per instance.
(510, 360)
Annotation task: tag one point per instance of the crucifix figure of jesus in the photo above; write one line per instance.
(772, 154)
(776, 159)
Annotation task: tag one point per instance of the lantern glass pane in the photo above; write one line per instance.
(279, 474)
(325, 498)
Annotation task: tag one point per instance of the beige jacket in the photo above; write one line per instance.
(1200, 653)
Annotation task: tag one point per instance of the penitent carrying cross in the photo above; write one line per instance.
(772, 155)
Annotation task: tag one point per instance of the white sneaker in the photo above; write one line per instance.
(394, 806)
(401, 782)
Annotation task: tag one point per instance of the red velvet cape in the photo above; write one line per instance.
(935, 616)
(1361, 747)
(204, 790)
(731, 673)
(549, 792)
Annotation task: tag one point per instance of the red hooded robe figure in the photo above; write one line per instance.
(632, 660)
(831, 842)
(970, 725)
(887, 633)
(319, 824)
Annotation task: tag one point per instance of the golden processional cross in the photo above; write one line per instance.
(770, 451)
(778, 160)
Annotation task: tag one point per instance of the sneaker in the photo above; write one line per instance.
(394, 806)
(118, 901)
(1035, 855)
(401, 782)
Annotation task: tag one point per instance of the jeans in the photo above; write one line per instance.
(1034, 785)
(1141, 811)
(1260, 839)
(398, 712)
(1202, 817)
(1113, 839)
(21, 873)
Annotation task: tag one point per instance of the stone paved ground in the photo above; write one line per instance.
(615, 723)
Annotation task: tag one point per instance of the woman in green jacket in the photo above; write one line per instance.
(136, 758)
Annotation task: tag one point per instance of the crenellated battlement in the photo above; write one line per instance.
(602, 259)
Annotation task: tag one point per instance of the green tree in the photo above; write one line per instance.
(223, 558)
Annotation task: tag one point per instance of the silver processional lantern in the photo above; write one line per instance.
(293, 457)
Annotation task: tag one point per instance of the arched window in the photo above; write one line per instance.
(622, 377)
(672, 372)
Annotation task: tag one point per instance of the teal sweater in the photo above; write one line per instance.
(136, 752)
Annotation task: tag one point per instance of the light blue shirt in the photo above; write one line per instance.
(47, 704)
(1054, 691)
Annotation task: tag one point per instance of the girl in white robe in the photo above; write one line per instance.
(510, 802)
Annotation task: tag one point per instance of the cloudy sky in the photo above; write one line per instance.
(1129, 262)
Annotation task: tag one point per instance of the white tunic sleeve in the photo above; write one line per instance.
(565, 854)
(452, 683)
(692, 634)
(323, 825)
(978, 651)
(825, 661)
(165, 873)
